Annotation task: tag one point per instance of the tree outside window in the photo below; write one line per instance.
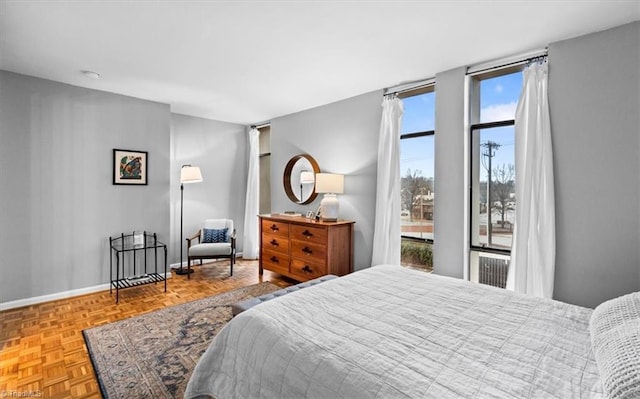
(494, 98)
(417, 178)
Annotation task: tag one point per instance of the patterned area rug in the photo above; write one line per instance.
(153, 355)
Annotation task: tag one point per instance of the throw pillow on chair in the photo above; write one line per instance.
(215, 235)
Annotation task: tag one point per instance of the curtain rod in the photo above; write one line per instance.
(518, 59)
(418, 84)
(260, 125)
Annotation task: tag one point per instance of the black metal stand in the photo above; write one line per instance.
(181, 271)
(127, 243)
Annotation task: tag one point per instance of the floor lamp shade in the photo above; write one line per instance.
(188, 174)
(330, 184)
(306, 177)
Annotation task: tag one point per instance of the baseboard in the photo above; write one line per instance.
(18, 303)
(58, 295)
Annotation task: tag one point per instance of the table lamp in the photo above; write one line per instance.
(330, 184)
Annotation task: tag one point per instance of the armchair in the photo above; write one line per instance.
(216, 239)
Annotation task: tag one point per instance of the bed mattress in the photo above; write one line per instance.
(393, 332)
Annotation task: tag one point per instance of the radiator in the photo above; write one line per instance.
(493, 271)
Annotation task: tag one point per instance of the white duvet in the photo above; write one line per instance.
(392, 332)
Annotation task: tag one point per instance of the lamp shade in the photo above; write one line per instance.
(190, 174)
(329, 183)
(306, 177)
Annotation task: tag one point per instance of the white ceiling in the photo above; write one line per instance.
(251, 61)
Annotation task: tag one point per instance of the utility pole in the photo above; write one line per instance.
(489, 152)
(421, 209)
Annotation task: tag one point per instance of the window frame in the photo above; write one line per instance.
(474, 106)
(430, 88)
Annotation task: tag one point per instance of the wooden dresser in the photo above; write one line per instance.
(304, 249)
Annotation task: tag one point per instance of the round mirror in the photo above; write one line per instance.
(299, 179)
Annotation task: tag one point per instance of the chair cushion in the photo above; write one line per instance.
(213, 249)
(215, 235)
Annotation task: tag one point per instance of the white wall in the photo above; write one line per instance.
(343, 138)
(58, 206)
(220, 150)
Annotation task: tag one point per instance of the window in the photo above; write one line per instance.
(417, 177)
(493, 203)
(265, 169)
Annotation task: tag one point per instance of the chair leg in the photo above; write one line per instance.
(231, 262)
(188, 269)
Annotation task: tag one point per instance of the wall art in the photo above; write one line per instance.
(129, 167)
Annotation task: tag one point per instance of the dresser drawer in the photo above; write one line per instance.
(307, 270)
(308, 250)
(305, 249)
(275, 227)
(276, 243)
(275, 261)
(307, 233)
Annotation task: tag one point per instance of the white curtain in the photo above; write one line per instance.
(250, 242)
(534, 239)
(386, 234)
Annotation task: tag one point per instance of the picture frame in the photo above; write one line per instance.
(319, 212)
(129, 167)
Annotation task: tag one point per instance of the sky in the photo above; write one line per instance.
(498, 101)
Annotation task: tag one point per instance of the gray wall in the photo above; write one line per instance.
(220, 150)
(343, 138)
(594, 100)
(58, 205)
(594, 93)
(449, 244)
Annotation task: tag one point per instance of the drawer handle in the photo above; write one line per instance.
(307, 269)
(307, 234)
(307, 250)
(274, 259)
(274, 243)
(274, 227)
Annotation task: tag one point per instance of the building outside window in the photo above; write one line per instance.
(417, 177)
(494, 97)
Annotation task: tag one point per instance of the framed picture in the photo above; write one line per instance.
(129, 167)
(319, 212)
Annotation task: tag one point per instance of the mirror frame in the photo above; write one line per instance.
(286, 179)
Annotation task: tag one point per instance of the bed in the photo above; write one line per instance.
(393, 332)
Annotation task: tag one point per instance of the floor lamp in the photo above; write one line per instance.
(188, 174)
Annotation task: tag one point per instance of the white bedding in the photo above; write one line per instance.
(392, 332)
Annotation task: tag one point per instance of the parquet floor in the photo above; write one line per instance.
(42, 350)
